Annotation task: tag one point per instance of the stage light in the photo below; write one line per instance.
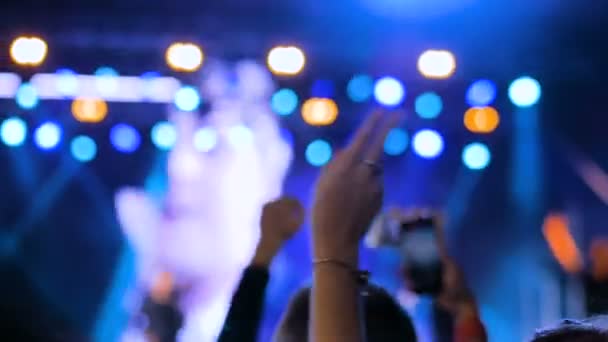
(437, 64)
(240, 136)
(205, 139)
(360, 88)
(13, 131)
(67, 82)
(524, 92)
(48, 135)
(319, 111)
(90, 110)
(428, 105)
(476, 156)
(106, 81)
(286, 60)
(556, 230)
(164, 135)
(186, 57)
(396, 142)
(26, 96)
(9, 84)
(284, 101)
(187, 99)
(125, 138)
(428, 144)
(481, 119)
(481, 93)
(83, 148)
(30, 51)
(389, 91)
(318, 152)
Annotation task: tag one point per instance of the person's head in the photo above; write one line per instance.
(384, 319)
(591, 330)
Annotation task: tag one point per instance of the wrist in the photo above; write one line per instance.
(265, 252)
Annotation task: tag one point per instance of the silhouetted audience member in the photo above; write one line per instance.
(592, 330)
(384, 320)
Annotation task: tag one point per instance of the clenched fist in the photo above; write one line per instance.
(281, 219)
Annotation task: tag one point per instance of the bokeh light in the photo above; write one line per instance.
(90, 110)
(163, 135)
(284, 101)
(13, 131)
(29, 51)
(476, 156)
(240, 136)
(83, 148)
(319, 111)
(481, 93)
(125, 138)
(205, 139)
(186, 57)
(437, 64)
(561, 242)
(286, 60)
(187, 99)
(67, 82)
(427, 143)
(360, 88)
(396, 142)
(48, 135)
(428, 105)
(481, 119)
(318, 152)
(27, 96)
(106, 80)
(389, 91)
(524, 92)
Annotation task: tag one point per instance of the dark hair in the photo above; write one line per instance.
(591, 330)
(384, 319)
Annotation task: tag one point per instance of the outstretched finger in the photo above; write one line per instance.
(376, 143)
(363, 135)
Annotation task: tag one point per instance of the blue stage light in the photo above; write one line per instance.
(27, 96)
(476, 156)
(205, 139)
(67, 82)
(428, 105)
(524, 92)
(481, 93)
(83, 148)
(389, 91)
(428, 144)
(164, 135)
(318, 152)
(284, 101)
(396, 142)
(13, 131)
(48, 135)
(187, 99)
(125, 138)
(360, 88)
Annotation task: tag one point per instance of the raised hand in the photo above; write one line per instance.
(349, 192)
(281, 219)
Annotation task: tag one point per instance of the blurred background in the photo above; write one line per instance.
(504, 132)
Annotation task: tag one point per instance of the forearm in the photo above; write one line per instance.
(336, 309)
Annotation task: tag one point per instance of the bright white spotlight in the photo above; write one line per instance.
(205, 139)
(437, 64)
(389, 91)
(186, 57)
(29, 51)
(48, 135)
(13, 132)
(524, 92)
(27, 96)
(240, 136)
(106, 81)
(476, 156)
(428, 143)
(286, 60)
(187, 99)
(164, 135)
(67, 82)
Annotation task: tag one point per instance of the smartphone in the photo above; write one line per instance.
(419, 248)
